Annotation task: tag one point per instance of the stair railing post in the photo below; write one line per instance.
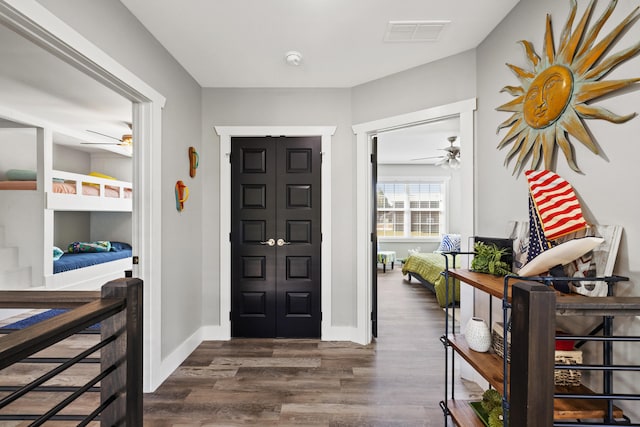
(126, 352)
(532, 355)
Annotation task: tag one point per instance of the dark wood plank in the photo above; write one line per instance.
(46, 299)
(25, 342)
(463, 414)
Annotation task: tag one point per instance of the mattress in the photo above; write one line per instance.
(71, 261)
(65, 188)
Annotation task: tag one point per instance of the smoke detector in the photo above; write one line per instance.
(293, 58)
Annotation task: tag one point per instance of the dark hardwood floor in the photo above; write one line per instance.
(395, 381)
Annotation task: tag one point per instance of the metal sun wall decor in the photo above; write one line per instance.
(554, 95)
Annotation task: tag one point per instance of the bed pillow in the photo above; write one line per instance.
(120, 246)
(57, 253)
(450, 243)
(98, 175)
(562, 254)
(21, 175)
(81, 247)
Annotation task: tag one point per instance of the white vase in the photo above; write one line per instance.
(478, 335)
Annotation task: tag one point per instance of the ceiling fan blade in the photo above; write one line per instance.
(105, 135)
(101, 143)
(426, 158)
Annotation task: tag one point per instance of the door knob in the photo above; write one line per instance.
(281, 242)
(270, 242)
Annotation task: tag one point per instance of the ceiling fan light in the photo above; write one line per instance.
(127, 139)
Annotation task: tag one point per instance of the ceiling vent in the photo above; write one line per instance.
(414, 31)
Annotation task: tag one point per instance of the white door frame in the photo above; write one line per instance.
(226, 133)
(463, 109)
(31, 20)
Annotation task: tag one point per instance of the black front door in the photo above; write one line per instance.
(275, 237)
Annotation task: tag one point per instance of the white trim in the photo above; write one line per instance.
(173, 361)
(364, 131)
(226, 133)
(35, 22)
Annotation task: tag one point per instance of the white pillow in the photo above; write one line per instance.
(450, 243)
(562, 254)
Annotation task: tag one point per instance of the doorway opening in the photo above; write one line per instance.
(35, 23)
(417, 193)
(365, 132)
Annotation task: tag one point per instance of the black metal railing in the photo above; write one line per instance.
(118, 380)
(532, 394)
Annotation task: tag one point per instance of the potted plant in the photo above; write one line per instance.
(488, 259)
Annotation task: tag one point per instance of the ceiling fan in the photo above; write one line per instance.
(451, 159)
(125, 141)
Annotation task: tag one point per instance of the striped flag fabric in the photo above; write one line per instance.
(537, 241)
(555, 203)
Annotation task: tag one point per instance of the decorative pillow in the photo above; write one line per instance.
(98, 175)
(562, 254)
(57, 253)
(21, 175)
(450, 243)
(120, 246)
(101, 175)
(520, 236)
(99, 246)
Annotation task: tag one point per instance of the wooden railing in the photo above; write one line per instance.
(118, 310)
(532, 394)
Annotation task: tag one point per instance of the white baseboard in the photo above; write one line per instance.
(215, 333)
(341, 333)
(170, 363)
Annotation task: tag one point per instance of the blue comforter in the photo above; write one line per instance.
(68, 262)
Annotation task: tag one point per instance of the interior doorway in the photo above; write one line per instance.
(32, 21)
(464, 110)
(416, 193)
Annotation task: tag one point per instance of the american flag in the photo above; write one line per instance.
(556, 204)
(537, 241)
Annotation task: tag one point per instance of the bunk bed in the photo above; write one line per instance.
(27, 222)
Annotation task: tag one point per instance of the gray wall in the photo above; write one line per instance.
(605, 188)
(286, 107)
(442, 82)
(110, 26)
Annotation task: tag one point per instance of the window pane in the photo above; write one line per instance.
(390, 195)
(390, 224)
(425, 195)
(425, 224)
(425, 209)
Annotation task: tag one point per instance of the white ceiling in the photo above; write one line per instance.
(418, 144)
(242, 43)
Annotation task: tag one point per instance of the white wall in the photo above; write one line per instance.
(606, 187)
(110, 26)
(70, 160)
(10, 158)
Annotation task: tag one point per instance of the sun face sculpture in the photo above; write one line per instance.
(553, 97)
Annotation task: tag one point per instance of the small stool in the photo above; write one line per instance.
(386, 257)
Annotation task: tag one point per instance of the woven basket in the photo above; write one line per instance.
(563, 377)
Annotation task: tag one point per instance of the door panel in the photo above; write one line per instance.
(276, 284)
